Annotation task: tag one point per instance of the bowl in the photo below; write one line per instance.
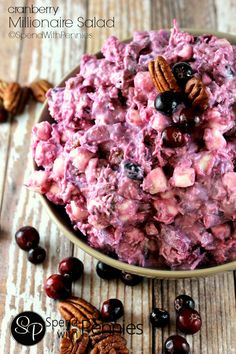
(58, 215)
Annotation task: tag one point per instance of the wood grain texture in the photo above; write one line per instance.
(21, 282)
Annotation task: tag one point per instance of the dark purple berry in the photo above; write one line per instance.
(27, 237)
(183, 301)
(107, 272)
(188, 119)
(173, 137)
(71, 267)
(37, 255)
(3, 115)
(182, 72)
(57, 287)
(159, 317)
(133, 170)
(167, 102)
(176, 345)
(188, 321)
(130, 279)
(112, 310)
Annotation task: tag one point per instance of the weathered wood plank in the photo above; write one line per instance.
(225, 15)
(23, 282)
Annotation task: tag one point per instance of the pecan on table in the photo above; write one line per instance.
(79, 312)
(72, 345)
(104, 330)
(39, 89)
(114, 344)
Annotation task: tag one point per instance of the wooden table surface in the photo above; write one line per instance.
(21, 282)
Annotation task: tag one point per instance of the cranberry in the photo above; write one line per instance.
(27, 237)
(71, 267)
(37, 255)
(176, 345)
(159, 317)
(173, 137)
(188, 321)
(130, 279)
(107, 272)
(112, 310)
(3, 115)
(57, 287)
(183, 301)
(167, 102)
(182, 72)
(133, 171)
(188, 119)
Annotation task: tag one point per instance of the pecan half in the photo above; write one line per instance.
(104, 330)
(12, 98)
(162, 75)
(39, 89)
(114, 344)
(197, 93)
(79, 312)
(72, 345)
(3, 86)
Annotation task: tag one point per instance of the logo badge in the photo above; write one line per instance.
(28, 328)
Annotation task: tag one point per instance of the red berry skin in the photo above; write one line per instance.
(71, 267)
(176, 345)
(173, 137)
(27, 237)
(188, 321)
(112, 310)
(57, 287)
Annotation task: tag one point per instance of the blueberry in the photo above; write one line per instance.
(130, 279)
(133, 171)
(167, 102)
(182, 72)
(37, 255)
(159, 317)
(184, 301)
(107, 272)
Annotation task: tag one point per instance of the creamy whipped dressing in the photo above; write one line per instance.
(104, 161)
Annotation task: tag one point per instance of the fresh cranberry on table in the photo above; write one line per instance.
(37, 255)
(176, 345)
(182, 72)
(188, 321)
(27, 237)
(130, 279)
(159, 317)
(71, 267)
(57, 287)
(3, 115)
(167, 102)
(107, 272)
(183, 301)
(112, 310)
(173, 137)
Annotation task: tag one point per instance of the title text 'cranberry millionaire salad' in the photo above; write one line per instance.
(142, 150)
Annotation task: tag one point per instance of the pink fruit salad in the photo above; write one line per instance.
(111, 157)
